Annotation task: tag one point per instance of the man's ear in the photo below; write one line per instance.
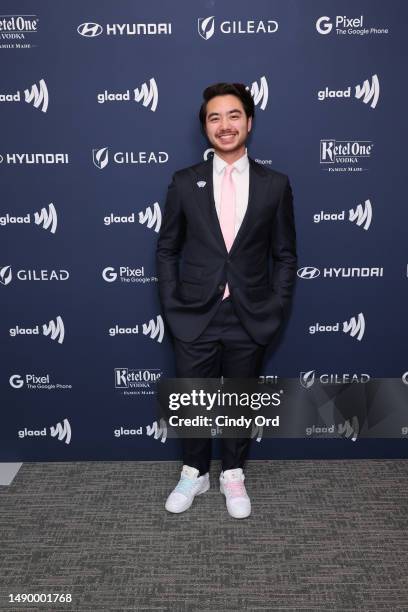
(249, 124)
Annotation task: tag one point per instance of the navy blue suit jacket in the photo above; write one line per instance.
(193, 264)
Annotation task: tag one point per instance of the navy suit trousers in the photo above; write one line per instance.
(223, 349)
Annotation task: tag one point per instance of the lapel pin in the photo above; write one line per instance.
(201, 183)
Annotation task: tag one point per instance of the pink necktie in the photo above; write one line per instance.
(227, 212)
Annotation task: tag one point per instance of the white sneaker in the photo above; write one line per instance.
(232, 486)
(189, 485)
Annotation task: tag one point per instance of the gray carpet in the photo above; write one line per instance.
(324, 535)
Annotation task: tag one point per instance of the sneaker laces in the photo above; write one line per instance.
(235, 488)
(185, 484)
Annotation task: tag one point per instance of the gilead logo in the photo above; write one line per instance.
(206, 26)
(6, 275)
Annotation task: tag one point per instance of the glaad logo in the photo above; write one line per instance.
(259, 92)
(151, 217)
(307, 272)
(206, 27)
(154, 329)
(55, 330)
(62, 431)
(158, 430)
(37, 95)
(349, 430)
(91, 30)
(47, 219)
(307, 379)
(369, 92)
(100, 157)
(362, 215)
(148, 95)
(346, 26)
(35, 382)
(346, 429)
(127, 275)
(32, 275)
(354, 327)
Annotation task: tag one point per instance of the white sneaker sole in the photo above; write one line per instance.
(235, 514)
(188, 503)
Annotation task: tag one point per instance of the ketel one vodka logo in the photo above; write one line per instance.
(55, 330)
(45, 218)
(136, 381)
(341, 153)
(100, 157)
(6, 275)
(361, 215)
(207, 27)
(368, 92)
(61, 431)
(147, 95)
(151, 217)
(355, 327)
(37, 95)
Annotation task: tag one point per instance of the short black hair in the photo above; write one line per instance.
(223, 89)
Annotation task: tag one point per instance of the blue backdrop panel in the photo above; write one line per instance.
(99, 106)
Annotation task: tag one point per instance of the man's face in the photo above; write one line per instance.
(227, 125)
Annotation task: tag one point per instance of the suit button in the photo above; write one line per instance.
(221, 287)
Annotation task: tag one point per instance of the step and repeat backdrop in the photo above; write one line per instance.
(99, 106)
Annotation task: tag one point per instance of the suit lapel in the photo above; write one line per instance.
(255, 197)
(205, 195)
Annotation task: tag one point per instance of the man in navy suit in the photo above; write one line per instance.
(226, 263)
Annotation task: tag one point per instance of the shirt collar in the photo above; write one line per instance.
(240, 164)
